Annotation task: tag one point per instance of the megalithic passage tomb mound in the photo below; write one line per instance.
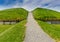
(49, 20)
(13, 14)
(46, 14)
(13, 32)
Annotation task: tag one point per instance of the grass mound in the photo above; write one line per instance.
(13, 14)
(45, 14)
(13, 33)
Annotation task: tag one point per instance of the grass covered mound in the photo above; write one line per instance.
(52, 29)
(15, 33)
(13, 14)
(46, 14)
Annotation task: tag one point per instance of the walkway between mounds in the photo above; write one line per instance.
(34, 33)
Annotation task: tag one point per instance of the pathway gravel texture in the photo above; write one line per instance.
(34, 33)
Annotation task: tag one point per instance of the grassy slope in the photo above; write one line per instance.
(4, 27)
(57, 25)
(52, 29)
(14, 13)
(15, 34)
(41, 13)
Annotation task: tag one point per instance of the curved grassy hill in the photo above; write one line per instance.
(53, 30)
(44, 14)
(13, 14)
(13, 33)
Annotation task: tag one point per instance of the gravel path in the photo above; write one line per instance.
(34, 33)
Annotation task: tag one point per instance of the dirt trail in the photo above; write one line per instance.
(34, 33)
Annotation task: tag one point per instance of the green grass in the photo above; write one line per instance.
(4, 27)
(52, 29)
(15, 33)
(57, 25)
(44, 14)
(13, 14)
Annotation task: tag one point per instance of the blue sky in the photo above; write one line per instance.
(30, 4)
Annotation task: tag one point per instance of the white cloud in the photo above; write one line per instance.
(32, 4)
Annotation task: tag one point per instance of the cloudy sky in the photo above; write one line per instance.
(30, 4)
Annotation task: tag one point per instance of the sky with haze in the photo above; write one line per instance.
(30, 4)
